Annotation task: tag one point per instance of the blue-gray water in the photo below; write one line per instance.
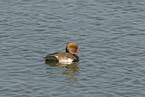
(110, 33)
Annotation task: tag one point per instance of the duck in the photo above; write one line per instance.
(65, 57)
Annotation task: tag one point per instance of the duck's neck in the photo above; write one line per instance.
(67, 50)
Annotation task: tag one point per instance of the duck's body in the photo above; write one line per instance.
(64, 57)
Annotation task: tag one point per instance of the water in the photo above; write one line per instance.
(110, 33)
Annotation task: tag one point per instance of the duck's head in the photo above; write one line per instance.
(72, 48)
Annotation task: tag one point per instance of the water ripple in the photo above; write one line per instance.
(110, 35)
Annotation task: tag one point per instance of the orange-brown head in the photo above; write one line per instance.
(72, 48)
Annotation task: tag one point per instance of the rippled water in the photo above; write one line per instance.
(110, 33)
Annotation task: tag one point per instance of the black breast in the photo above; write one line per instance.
(77, 58)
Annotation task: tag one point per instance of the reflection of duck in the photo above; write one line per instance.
(65, 57)
(72, 69)
(68, 70)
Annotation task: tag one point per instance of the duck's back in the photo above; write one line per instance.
(61, 57)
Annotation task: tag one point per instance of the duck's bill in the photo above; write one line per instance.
(78, 51)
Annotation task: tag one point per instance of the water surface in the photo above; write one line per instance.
(110, 33)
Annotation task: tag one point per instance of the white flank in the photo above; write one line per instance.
(66, 61)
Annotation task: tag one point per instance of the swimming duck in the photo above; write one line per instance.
(65, 57)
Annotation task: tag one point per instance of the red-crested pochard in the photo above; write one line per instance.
(65, 57)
